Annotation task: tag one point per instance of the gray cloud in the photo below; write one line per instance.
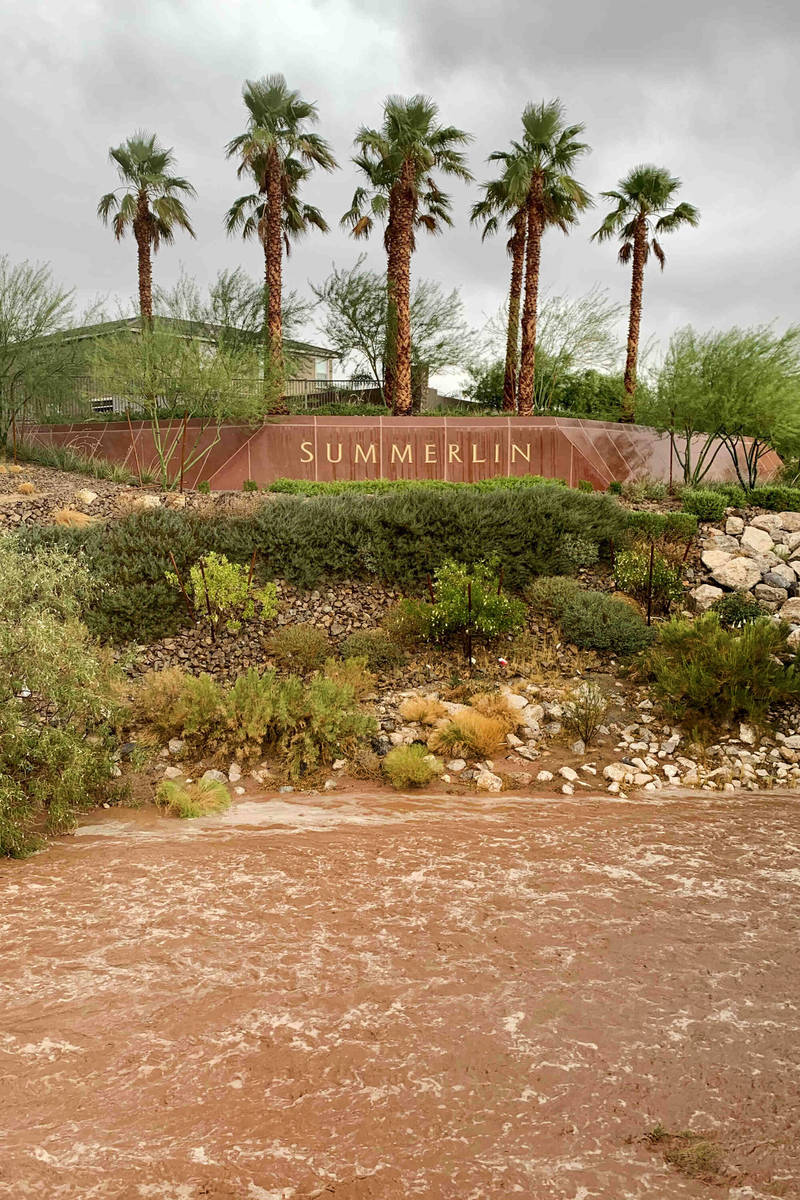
(710, 90)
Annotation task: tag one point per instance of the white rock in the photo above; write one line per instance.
(86, 497)
(148, 500)
(739, 575)
(340, 764)
(234, 773)
(578, 747)
(216, 776)
(616, 772)
(790, 521)
(172, 772)
(711, 559)
(793, 639)
(485, 781)
(513, 740)
(747, 735)
(456, 764)
(176, 746)
(771, 522)
(792, 742)
(544, 777)
(330, 785)
(239, 791)
(757, 539)
(568, 774)
(567, 789)
(734, 526)
(790, 611)
(514, 701)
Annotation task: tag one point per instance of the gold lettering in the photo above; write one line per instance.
(403, 455)
(497, 453)
(328, 448)
(526, 453)
(368, 455)
(430, 446)
(307, 448)
(453, 452)
(475, 458)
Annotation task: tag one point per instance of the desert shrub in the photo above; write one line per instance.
(550, 595)
(775, 497)
(26, 488)
(707, 674)
(472, 598)
(353, 672)
(578, 551)
(705, 504)
(585, 712)
(249, 485)
(411, 766)
(223, 591)
(423, 709)
(409, 621)
(496, 705)
(596, 621)
(632, 576)
(363, 762)
(378, 650)
(204, 487)
(639, 490)
(614, 488)
(203, 798)
(469, 734)
(60, 698)
(157, 702)
(300, 647)
(585, 485)
(324, 722)
(736, 609)
(649, 526)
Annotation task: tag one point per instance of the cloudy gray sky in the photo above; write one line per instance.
(710, 89)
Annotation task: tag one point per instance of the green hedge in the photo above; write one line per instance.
(400, 537)
(343, 487)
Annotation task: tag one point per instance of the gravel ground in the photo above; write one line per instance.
(383, 997)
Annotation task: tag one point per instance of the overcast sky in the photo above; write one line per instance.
(707, 88)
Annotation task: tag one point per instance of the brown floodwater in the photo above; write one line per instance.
(377, 997)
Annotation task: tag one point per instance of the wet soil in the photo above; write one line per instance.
(379, 997)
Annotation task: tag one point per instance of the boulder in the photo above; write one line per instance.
(172, 772)
(544, 777)
(486, 781)
(705, 595)
(615, 772)
(757, 539)
(456, 765)
(216, 776)
(568, 774)
(781, 575)
(790, 521)
(790, 611)
(515, 702)
(234, 773)
(711, 559)
(771, 522)
(734, 526)
(85, 497)
(770, 594)
(738, 575)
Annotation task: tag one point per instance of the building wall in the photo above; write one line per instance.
(460, 449)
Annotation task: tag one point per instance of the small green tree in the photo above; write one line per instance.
(738, 390)
(224, 592)
(160, 375)
(354, 318)
(32, 309)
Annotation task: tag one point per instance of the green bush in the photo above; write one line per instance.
(776, 497)
(578, 551)
(736, 609)
(596, 621)
(249, 485)
(59, 699)
(550, 595)
(300, 647)
(309, 724)
(709, 675)
(204, 487)
(705, 504)
(640, 490)
(203, 798)
(411, 766)
(223, 591)
(585, 485)
(667, 527)
(379, 651)
(632, 576)
(471, 598)
(614, 488)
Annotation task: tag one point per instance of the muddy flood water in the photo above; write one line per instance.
(375, 998)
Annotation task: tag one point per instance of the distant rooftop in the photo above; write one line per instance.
(200, 330)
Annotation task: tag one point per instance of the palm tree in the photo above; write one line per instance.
(399, 161)
(278, 151)
(643, 212)
(499, 201)
(149, 201)
(540, 163)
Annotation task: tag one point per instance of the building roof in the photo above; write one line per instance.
(202, 330)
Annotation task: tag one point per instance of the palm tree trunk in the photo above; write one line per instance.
(141, 232)
(635, 320)
(274, 260)
(402, 241)
(392, 269)
(531, 303)
(514, 298)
